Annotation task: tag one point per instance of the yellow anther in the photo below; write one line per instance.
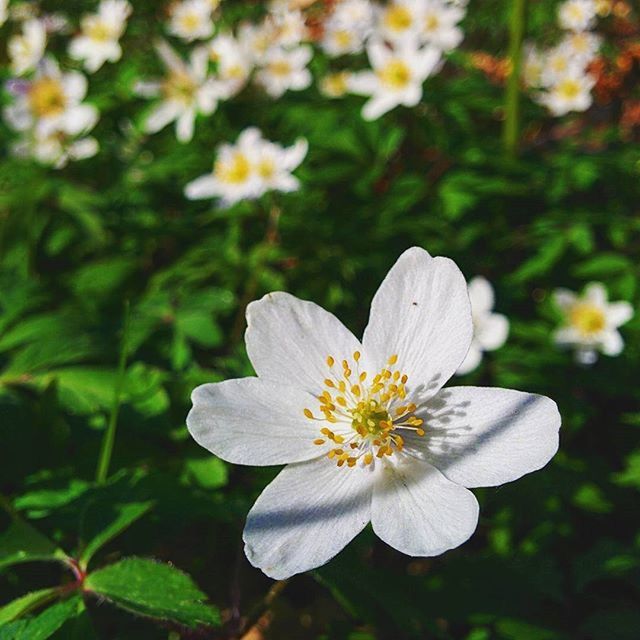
(401, 410)
(380, 452)
(329, 383)
(393, 359)
(331, 454)
(319, 441)
(355, 390)
(345, 364)
(351, 462)
(341, 401)
(396, 375)
(330, 361)
(342, 386)
(354, 445)
(363, 376)
(404, 379)
(420, 432)
(308, 414)
(338, 439)
(356, 356)
(338, 452)
(368, 457)
(411, 408)
(325, 431)
(347, 373)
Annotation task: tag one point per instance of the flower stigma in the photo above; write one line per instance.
(370, 413)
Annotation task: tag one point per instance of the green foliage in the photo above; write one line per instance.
(150, 588)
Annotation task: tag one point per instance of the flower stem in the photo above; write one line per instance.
(511, 129)
(108, 440)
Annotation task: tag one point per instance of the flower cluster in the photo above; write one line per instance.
(248, 169)
(404, 42)
(560, 75)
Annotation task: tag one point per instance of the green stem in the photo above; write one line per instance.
(511, 130)
(108, 440)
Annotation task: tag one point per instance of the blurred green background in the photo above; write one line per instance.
(556, 555)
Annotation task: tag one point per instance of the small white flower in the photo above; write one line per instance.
(98, 41)
(51, 102)
(186, 91)
(533, 66)
(4, 11)
(590, 322)
(582, 46)
(366, 430)
(560, 62)
(570, 93)
(248, 169)
(490, 330)
(440, 25)
(285, 70)
(27, 49)
(396, 78)
(192, 20)
(233, 63)
(347, 28)
(55, 149)
(400, 20)
(289, 28)
(577, 15)
(335, 85)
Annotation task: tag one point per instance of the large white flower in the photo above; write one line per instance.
(285, 70)
(577, 15)
(27, 49)
(490, 330)
(366, 430)
(98, 41)
(51, 102)
(400, 20)
(186, 91)
(192, 20)
(396, 78)
(591, 322)
(248, 169)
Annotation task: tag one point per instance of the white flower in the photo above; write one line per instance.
(560, 62)
(4, 11)
(577, 15)
(347, 28)
(400, 20)
(248, 169)
(396, 78)
(191, 20)
(256, 39)
(490, 330)
(233, 63)
(582, 46)
(570, 93)
(51, 102)
(439, 25)
(289, 28)
(285, 70)
(532, 66)
(365, 428)
(186, 91)
(55, 149)
(335, 85)
(590, 322)
(26, 50)
(98, 41)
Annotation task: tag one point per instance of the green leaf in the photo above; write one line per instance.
(602, 265)
(107, 523)
(208, 473)
(21, 542)
(153, 589)
(45, 624)
(26, 603)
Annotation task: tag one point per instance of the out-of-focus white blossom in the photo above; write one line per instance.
(4, 11)
(336, 85)
(192, 20)
(248, 169)
(577, 15)
(490, 330)
(570, 93)
(233, 64)
(440, 24)
(396, 78)
(590, 323)
(27, 49)
(185, 91)
(284, 70)
(347, 28)
(400, 20)
(55, 149)
(98, 41)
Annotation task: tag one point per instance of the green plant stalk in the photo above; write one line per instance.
(106, 450)
(511, 129)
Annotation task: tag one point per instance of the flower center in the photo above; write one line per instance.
(234, 171)
(342, 38)
(99, 31)
(369, 415)
(190, 22)
(395, 74)
(280, 68)
(266, 168)
(431, 22)
(179, 86)
(569, 89)
(587, 319)
(398, 18)
(46, 97)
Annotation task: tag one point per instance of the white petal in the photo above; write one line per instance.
(185, 125)
(612, 343)
(75, 86)
(618, 313)
(201, 188)
(564, 299)
(80, 119)
(472, 359)
(253, 421)
(566, 335)
(288, 341)
(492, 331)
(309, 513)
(364, 83)
(416, 510)
(161, 116)
(481, 295)
(596, 293)
(294, 155)
(421, 312)
(483, 437)
(378, 105)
